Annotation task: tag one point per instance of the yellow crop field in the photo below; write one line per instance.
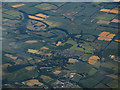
(32, 51)
(39, 53)
(57, 72)
(107, 39)
(108, 10)
(42, 15)
(114, 11)
(18, 5)
(30, 67)
(105, 10)
(33, 17)
(116, 21)
(31, 41)
(93, 59)
(59, 42)
(11, 56)
(110, 35)
(49, 54)
(44, 48)
(105, 36)
(72, 73)
(117, 40)
(33, 82)
(71, 60)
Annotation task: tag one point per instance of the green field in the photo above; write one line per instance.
(92, 72)
(86, 47)
(106, 17)
(20, 75)
(45, 5)
(12, 14)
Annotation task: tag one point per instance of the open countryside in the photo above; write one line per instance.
(60, 44)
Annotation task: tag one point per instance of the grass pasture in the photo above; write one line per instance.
(46, 6)
(12, 14)
(106, 17)
(86, 47)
